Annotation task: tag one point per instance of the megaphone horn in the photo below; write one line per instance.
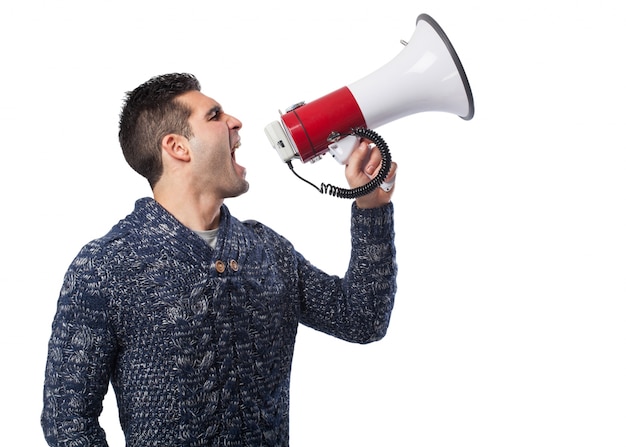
(426, 76)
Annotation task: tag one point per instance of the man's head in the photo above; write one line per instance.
(150, 112)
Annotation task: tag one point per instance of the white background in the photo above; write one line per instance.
(510, 321)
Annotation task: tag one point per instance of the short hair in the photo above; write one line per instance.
(149, 113)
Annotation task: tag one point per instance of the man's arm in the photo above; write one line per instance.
(358, 307)
(81, 353)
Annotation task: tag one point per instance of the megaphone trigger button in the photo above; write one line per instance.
(294, 107)
(333, 137)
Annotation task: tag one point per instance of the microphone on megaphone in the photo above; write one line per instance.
(426, 76)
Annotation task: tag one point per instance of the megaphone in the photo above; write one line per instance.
(426, 76)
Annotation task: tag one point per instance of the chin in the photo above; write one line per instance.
(242, 188)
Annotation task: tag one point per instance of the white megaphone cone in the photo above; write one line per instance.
(426, 76)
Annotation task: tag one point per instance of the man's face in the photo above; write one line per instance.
(215, 139)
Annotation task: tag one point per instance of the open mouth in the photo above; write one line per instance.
(234, 148)
(240, 169)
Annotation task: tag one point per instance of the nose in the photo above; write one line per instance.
(234, 123)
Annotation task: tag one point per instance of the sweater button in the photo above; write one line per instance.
(220, 266)
(233, 265)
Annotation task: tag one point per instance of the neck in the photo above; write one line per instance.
(196, 211)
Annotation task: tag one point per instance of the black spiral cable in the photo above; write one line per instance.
(374, 183)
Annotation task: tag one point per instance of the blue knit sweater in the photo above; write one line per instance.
(197, 342)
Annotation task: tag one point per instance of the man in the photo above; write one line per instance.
(190, 313)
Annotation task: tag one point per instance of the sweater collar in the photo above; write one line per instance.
(158, 223)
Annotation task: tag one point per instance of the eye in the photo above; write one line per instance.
(215, 114)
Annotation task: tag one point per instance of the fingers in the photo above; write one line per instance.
(364, 158)
(374, 165)
(372, 161)
(381, 195)
(365, 165)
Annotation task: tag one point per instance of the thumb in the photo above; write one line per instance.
(354, 167)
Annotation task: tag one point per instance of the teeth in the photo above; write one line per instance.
(236, 146)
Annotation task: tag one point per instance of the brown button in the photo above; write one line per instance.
(220, 266)
(233, 265)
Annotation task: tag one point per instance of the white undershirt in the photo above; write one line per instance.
(209, 236)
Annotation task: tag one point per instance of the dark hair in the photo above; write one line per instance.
(149, 113)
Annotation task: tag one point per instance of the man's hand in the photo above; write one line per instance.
(363, 165)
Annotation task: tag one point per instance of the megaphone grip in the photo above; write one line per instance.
(378, 180)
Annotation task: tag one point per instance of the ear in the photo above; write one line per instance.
(176, 146)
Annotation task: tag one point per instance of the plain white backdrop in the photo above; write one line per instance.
(510, 321)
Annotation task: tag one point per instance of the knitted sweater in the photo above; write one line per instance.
(198, 342)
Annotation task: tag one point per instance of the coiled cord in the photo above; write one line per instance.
(370, 186)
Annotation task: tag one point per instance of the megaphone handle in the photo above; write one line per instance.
(377, 181)
(343, 148)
